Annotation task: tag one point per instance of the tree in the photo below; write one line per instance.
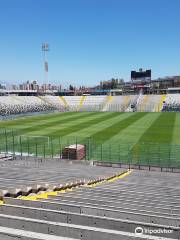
(71, 88)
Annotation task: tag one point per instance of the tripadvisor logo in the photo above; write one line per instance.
(139, 230)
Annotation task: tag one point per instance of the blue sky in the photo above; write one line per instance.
(90, 40)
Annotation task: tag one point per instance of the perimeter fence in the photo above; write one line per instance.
(145, 153)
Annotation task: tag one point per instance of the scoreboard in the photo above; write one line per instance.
(141, 76)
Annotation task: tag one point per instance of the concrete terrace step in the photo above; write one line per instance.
(89, 218)
(77, 231)
(99, 210)
(122, 188)
(126, 194)
(16, 234)
(145, 205)
(73, 206)
(92, 199)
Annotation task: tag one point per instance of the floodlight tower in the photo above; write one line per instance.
(45, 49)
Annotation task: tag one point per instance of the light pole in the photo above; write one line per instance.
(45, 49)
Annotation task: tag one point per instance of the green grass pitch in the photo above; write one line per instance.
(110, 136)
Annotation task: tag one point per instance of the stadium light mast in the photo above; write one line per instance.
(45, 49)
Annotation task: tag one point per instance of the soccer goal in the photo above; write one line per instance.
(33, 140)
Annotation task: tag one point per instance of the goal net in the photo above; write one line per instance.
(34, 140)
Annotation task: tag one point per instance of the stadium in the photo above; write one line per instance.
(90, 166)
(89, 122)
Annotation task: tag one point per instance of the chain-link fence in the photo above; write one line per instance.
(152, 154)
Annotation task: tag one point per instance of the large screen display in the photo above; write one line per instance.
(141, 76)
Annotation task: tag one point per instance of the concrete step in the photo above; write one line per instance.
(79, 232)
(92, 199)
(113, 189)
(75, 206)
(89, 217)
(16, 234)
(128, 195)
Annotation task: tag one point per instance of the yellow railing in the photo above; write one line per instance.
(163, 98)
(63, 100)
(82, 101)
